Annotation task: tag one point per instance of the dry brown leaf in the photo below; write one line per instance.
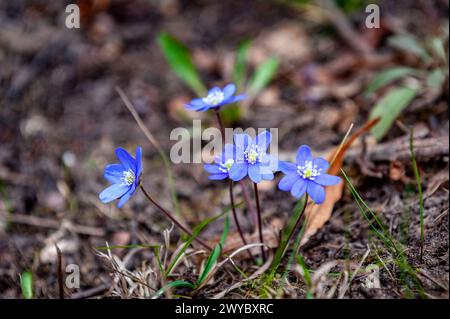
(318, 215)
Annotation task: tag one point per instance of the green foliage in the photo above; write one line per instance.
(26, 284)
(419, 189)
(173, 284)
(240, 65)
(432, 73)
(389, 107)
(263, 75)
(282, 247)
(409, 43)
(408, 274)
(215, 254)
(388, 76)
(180, 60)
(195, 233)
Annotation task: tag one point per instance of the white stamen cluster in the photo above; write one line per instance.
(253, 154)
(225, 167)
(214, 98)
(308, 170)
(128, 177)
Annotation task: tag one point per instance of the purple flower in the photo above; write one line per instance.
(216, 97)
(252, 159)
(222, 164)
(307, 175)
(124, 176)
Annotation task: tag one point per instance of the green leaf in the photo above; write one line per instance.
(195, 232)
(388, 76)
(282, 247)
(438, 46)
(410, 44)
(240, 64)
(215, 254)
(26, 284)
(389, 107)
(179, 59)
(173, 284)
(436, 78)
(263, 75)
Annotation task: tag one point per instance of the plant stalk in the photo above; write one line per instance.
(173, 219)
(258, 210)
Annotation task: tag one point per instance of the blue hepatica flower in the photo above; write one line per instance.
(307, 175)
(216, 98)
(124, 176)
(252, 159)
(222, 164)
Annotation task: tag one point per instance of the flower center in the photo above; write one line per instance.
(128, 177)
(253, 154)
(225, 167)
(214, 98)
(308, 170)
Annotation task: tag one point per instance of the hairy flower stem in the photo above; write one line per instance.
(236, 220)
(258, 209)
(173, 219)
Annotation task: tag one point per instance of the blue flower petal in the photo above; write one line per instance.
(316, 192)
(288, 181)
(215, 177)
(126, 196)
(238, 171)
(242, 141)
(228, 91)
(271, 162)
(212, 169)
(303, 155)
(268, 177)
(138, 163)
(125, 158)
(321, 163)
(114, 173)
(254, 173)
(327, 180)
(287, 167)
(113, 192)
(235, 99)
(229, 153)
(299, 188)
(263, 140)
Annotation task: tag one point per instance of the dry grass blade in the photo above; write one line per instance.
(239, 284)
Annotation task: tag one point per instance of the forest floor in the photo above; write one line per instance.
(61, 119)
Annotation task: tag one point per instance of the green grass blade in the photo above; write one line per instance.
(419, 189)
(215, 254)
(179, 59)
(409, 44)
(195, 232)
(388, 76)
(173, 284)
(389, 108)
(263, 75)
(281, 249)
(240, 65)
(26, 284)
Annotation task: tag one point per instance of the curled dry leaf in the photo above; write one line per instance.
(318, 215)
